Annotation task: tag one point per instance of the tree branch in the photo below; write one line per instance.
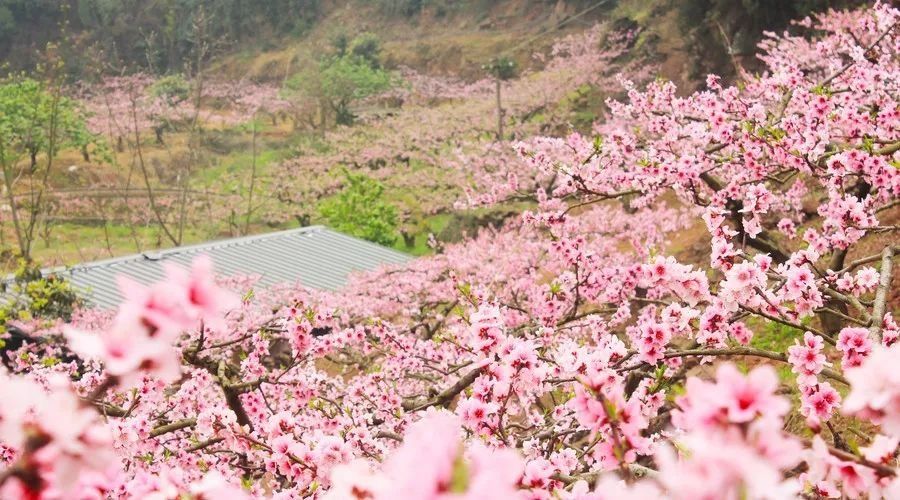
(750, 351)
(881, 294)
(447, 395)
(172, 427)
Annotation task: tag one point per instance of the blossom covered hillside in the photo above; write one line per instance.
(180, 159)
(568, 354)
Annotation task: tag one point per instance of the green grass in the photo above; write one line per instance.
(637, 10)
(775, 337)
(772, 336)
(235, 165)
(430, 225)
(236, 168)
(74, 243)
(226, 161)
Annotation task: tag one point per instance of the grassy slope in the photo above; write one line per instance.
(457, 42)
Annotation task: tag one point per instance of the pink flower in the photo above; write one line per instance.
(882, 450)
(733, 398)
(819, 401)
(787, 227)
(214, 485)
(807, 359)
(752, 395)
(475, 413)
(143, 333)
(537, 473)
(855, 345)
(652, 340)
(431, 464)
(494, 473)
(609, 487)
(826, 470)
(890, 330)
(356, 479)
(875, 389)
(867, 279)
(740, 332)
(203, 299)
(126, 352)
(331, 451)
(717, 466)
(59, 438)
(487, 328)
(423, 465)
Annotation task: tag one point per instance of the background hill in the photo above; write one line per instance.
(215, 118)
(263, 39)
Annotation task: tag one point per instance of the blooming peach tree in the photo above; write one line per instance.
(569, 354)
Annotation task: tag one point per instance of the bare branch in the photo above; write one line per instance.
(174, 426)
(447, 395)
(750, 351)
(881, 294)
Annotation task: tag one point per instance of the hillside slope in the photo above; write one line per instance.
(230, 173)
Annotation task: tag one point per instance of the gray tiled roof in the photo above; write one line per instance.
(315, 256)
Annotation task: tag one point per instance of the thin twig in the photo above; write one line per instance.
(750, 351)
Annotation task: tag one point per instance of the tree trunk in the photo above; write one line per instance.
(11, 199)
(252, 184)
(409, 239)
(499, 113)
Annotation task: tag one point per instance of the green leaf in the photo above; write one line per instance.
(459, 477)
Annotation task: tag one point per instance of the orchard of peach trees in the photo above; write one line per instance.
(567, 354)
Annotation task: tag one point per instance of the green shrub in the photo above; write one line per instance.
(360, 210)
(367, 47)
(172, 88)
(407, 8)
(30, 295)
(35, 120)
